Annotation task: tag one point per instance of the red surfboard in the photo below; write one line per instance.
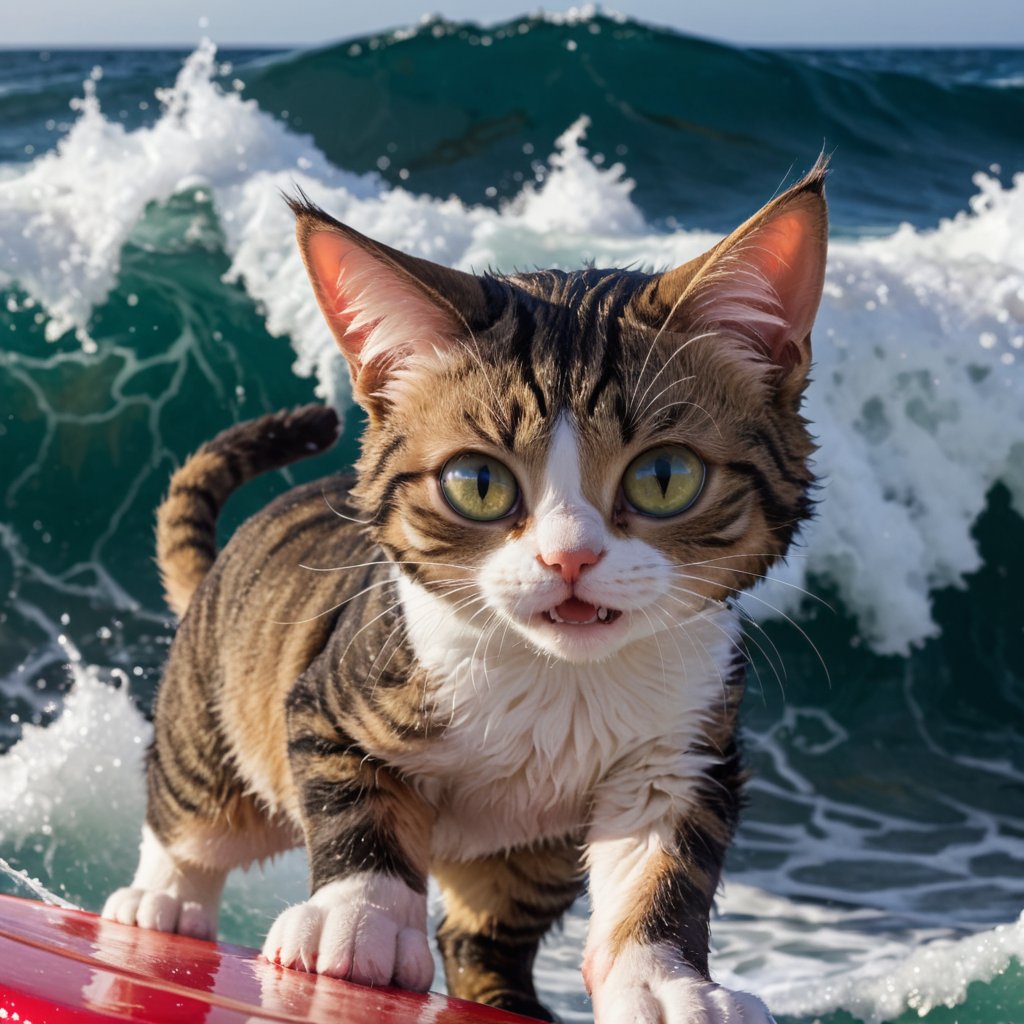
(70, 966)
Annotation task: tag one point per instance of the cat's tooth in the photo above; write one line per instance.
(555, 617)
(602, 614)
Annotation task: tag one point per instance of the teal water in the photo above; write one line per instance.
(151, 297)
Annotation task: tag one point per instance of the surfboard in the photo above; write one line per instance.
(59, 965)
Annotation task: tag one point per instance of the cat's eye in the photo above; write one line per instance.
(479, 487)
(663, 481)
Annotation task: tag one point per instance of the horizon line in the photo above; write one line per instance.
(296, 44)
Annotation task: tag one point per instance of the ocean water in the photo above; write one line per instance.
(151, 295)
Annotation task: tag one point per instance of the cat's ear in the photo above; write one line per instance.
(392, 315)
(761, 285)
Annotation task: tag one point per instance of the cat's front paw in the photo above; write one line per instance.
(160, 911)
(651, 985)
(370, 928)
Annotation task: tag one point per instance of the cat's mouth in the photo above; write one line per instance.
(575, 612)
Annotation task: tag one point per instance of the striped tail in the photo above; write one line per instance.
(186, 522)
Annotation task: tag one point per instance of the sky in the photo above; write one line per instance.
(281, 23)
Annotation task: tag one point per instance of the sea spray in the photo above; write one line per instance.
(919, 332)
(884, 816)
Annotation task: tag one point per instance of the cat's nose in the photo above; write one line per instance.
(569, 564)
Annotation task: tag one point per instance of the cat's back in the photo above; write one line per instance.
(279, 586)
(264, 612)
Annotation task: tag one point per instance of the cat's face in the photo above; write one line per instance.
(582, 460)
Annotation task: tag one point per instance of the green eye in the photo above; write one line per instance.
(664, 481)
(479, 487)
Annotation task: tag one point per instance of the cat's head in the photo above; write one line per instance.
(584, 458)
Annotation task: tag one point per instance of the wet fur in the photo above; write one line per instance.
(329, 684)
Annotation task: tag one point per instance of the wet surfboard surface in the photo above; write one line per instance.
(69, 965)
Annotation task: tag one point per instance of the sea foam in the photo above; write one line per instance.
(855, 966)
(917, 400)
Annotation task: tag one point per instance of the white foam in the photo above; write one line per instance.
(72, 801)
(919, 403)
(918, 397)
(808, 960)
(64, 221)
(75, 787)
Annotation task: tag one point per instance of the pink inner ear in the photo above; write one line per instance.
(766, 286)
(792, 265)
(786, 253)
(375, 312)
(328, 253)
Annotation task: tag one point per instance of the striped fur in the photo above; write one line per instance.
(367, 673)
(186, 520)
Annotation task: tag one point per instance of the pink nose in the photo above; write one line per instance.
(570, 563)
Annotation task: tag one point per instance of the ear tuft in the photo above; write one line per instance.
(762, 284)
(383, 307)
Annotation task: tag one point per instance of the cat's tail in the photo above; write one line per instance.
(186, 522)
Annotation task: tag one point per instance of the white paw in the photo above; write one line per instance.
(167, 895)
(650, 985)
(370, 928)
(161, 911)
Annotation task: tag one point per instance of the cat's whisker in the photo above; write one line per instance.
(669, 405)
(339, 568)
(341, 515)
(653, 345)
(472, 669)
(744, 654)
(403, 629)
(708, 563)
(667, 387)
(778, 665)
(508, 624)
(488, 632)
(333, 608)
(642, 413)
(476, 647)
(706, 656)
(700, 614)
(456, 608)
(746, 554)
(476, 353)
(782, 615)
(351, 597)
(376, 618)
(654, 634)
(666, 363)
(798, 628)
(668, 627)
(452, 587)
(384, 561)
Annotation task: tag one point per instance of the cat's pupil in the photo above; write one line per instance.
(663, 474)
(483, 481)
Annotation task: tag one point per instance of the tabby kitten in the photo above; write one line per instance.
(505, 653)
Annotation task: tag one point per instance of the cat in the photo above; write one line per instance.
(506, 652)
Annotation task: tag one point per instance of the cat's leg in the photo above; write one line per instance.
(168, 893)
(199, 825)
(200, 821)
(368, 840)
(646, 958)
(497, 910)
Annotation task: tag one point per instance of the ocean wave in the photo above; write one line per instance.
(878, 863)
(703, 125)
(917, 396)
(857, 967)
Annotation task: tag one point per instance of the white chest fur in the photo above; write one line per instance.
(536, 748)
